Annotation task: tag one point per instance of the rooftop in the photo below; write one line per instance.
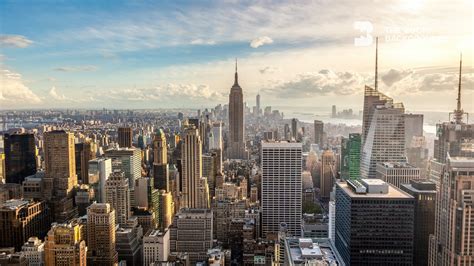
(14, 204)
(392, 192)
(299, 251)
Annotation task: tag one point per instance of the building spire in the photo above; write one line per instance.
(236, 81)
(376, 61)
(458, 113)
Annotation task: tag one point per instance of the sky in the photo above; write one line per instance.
(306, 55)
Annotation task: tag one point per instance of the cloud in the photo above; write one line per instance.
(76, 68)
(14, 91)
(268, 70)
(202, 42)
(260, 41)
(393, 76)
(55, 95)
(183, 93)
(321, 83)
(17, 41)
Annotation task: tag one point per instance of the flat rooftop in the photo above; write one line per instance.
(302, 250)
(393, 192)
(14, 204)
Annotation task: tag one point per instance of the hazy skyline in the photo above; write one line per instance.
(142, 54)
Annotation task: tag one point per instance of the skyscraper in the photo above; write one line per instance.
(60, 173)
(281, 187)
(384, 136)
(456, 137)
(191, 232)
(64, 245)
(99, 171)
(327, 175)
(191, 155)
(60, 163)
(156, 246)
(294, 129)
(413, 127)
(125, 136)
(117, 194)
(215, 141)
(397, 173)
(374, 223)
(350, 156)
(84, 152)
(259, 109)
(452, 242)
(127, 160)
(160, 161)
(21, 219)
(101, 235)
(424, 192)
(236, 147)
(20, 157)
(318, 132)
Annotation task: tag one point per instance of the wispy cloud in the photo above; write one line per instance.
(202, 42)
(76, 68)
(17, 41)
(260, 41)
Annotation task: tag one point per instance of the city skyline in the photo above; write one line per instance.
(95, 55)
(126, 140)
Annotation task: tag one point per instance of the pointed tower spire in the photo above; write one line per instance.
(458, 113)
(236, 81)
(376, 61)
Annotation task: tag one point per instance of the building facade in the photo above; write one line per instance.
(191, 232)
(374, 223)
(20, 157)
(281, 187)
(236, 144)
(452, 242)
(64, 245)
(101, 235)
(424, 192)
(397, 173)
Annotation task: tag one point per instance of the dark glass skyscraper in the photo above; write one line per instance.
(374, 223)
(20, 157)
(125, 136)
(424, 192)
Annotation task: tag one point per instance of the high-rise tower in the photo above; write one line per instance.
(125, 136)
(259, 110)
(456, 137)
(160, 161)
(60, 173)
(60, 162)
(191, 156)
(452, 242)
(281, 187)
(236, 147)
(117, 194)
(101, 235)
(383, 129)
(20, 157)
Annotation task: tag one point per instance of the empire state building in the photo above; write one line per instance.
(236, 147)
